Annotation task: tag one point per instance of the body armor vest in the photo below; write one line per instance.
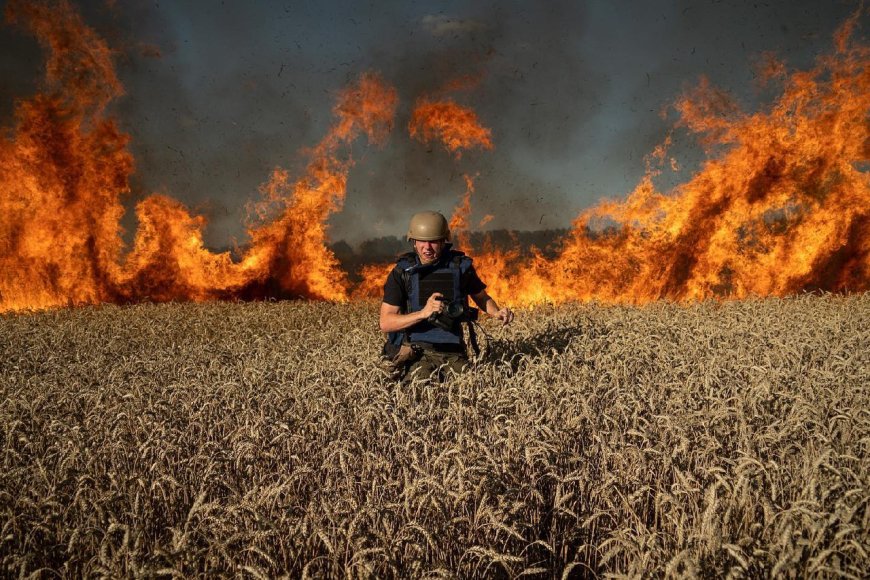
(421, 281)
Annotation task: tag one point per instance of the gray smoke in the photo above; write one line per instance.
(218, 94)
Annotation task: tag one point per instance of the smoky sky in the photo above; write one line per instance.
(220, 93)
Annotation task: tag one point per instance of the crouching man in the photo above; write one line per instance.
(426, 302)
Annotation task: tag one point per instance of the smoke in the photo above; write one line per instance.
(22, 66)
(500, 56)
(219, 95)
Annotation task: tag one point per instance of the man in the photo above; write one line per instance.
(426, 300)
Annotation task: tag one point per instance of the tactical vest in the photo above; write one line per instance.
(450, 270)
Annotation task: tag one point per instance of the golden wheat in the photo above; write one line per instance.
(261, 440)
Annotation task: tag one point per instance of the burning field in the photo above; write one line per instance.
(779, 207)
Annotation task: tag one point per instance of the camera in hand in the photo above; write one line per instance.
(453, 313)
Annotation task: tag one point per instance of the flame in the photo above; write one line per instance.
(781, 205)
(457, 127)
(372, 278)
(459, 221)
(784, 208)
(63, 171)
(65, 167)
(298, 237)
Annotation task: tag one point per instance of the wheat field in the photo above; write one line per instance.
(261, 440)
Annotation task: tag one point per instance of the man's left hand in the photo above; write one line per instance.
(505, 315)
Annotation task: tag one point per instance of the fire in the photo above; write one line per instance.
(782, 204)
(294, 244)
(459, 221)
(784, 208)
(62, 172)
(66, 168)
(456, 126)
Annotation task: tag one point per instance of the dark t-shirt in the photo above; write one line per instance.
(395, 293)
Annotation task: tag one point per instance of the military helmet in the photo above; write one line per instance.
(428, 226)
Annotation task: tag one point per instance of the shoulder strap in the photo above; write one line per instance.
(405, 263)
(406, 260)
(461, 261)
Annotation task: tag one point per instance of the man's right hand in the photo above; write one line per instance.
(433, 306)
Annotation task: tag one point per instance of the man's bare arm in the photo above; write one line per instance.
(487, 304)
(391, 320)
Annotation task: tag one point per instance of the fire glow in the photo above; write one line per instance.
(782, 207)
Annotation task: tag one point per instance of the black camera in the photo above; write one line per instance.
(453, 313)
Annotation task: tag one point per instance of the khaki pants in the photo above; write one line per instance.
(437, 366)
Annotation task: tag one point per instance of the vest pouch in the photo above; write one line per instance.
(393, 344)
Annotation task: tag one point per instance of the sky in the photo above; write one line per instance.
(218, 93)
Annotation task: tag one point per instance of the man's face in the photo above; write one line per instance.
(429, 252)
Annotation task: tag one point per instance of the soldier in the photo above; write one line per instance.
(426, 301)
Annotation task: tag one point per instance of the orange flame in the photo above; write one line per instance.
(298, 237)
(66, 165)
(783, 209)
(62, 172)
(782, 205)
(456, 126)
(459, 221)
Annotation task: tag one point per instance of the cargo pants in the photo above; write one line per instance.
(436, 365)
